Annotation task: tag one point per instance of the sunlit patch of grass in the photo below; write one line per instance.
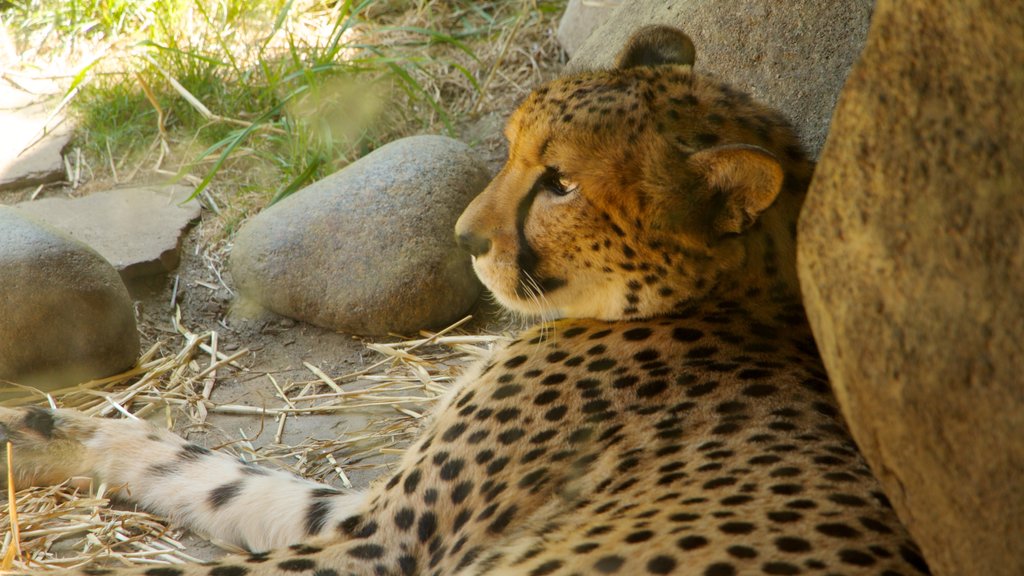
(288, 89)
(117, 114)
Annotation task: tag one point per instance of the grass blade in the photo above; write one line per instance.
(299, 181)
(233, 141)
(435, 38)
(416, 88)
(147, 43)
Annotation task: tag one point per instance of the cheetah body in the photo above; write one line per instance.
(676, 420)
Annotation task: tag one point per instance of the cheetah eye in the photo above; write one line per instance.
(557, 183)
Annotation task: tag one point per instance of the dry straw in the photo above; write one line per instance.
(74, 523)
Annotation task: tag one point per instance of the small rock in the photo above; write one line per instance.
(579, 21)
(67, 316)
(791, 55)
(138, 230)
(369, 249)
(911, 262)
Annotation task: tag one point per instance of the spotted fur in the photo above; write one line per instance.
(676, 419)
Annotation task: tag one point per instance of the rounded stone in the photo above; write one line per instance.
(793, 56)
(911, 262)
(371, 248)
(66, 315)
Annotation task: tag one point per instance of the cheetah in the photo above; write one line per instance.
(668, 413)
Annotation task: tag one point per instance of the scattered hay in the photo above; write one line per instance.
(74, 523)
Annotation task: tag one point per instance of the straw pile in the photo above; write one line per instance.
(64, 527)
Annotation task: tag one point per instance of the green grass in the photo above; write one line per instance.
(278, 93)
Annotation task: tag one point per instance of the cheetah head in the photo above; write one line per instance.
(631, 192)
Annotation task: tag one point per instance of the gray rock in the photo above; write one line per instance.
(28, 156)
(138, 230)
(580, 19)
(66, 314)
(911, 261)
(369, 249)
(792, 55)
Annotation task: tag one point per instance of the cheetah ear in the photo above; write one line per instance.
(655, 46)
(742, 181)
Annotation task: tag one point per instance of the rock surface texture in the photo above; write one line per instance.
(371, 248)
(138, 230)
(912, 266)
(792, 55)
(580, 19)
(30, 155)
(66, 315)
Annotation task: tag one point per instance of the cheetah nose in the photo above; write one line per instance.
(475, 245)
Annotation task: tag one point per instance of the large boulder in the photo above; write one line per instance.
(911, 257)
(792, 55)
(580, 19)
(65, 315)
(370, 249)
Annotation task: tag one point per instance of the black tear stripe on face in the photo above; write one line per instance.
(527, 258)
